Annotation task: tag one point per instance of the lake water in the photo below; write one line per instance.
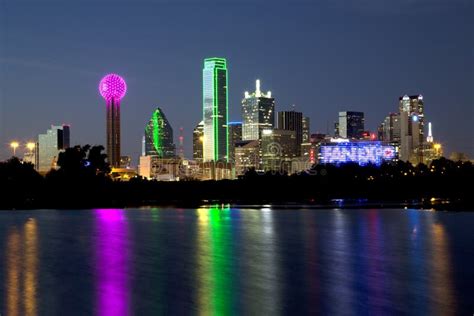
(224, 261)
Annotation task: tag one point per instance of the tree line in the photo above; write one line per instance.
(82, 181)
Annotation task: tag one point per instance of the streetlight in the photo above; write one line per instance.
(31, 146)
(14, 145)
(437, 148)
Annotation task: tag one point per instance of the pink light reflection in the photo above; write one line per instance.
(112, 263)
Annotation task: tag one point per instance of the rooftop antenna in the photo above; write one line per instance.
(258, 93)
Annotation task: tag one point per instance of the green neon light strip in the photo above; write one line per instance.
(214, 112)
(203, 112)
(227, 113)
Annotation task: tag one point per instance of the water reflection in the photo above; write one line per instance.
(260, 275)
(221, 261)
(377, 268)
(214, 268)
(442, 288)
(112, 263)
(340, 276)
(22, 269)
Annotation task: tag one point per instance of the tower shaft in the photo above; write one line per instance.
(113, 132)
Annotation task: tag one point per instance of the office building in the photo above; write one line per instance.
(247, 156)
(292, 121)
(258, 113)
(390, 129)
(411, 128)
(153, 167)
(50, 144)
(198, 138)
(351, 125)
(215, 110)
(235, 136)
(278, 147)
(306, 130)
(159, 136)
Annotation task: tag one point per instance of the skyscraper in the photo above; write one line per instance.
(258, 113)
(113, 88)
(247, 156)
(198, 138)
(411, 128)
(292, 121)
(215, 110)
(278, 147)
(235, 136)
(390, 128)
(306, 130)
(159, 136)
(50, 144)
(351, 124)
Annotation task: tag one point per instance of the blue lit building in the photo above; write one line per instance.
(363, 153)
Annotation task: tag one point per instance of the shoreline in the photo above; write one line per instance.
(447, 205)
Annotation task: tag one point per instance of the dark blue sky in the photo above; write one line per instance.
(322, 56)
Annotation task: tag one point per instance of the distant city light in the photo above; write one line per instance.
(14, 145)
(415, 118)
(30, 146)
(339, 140)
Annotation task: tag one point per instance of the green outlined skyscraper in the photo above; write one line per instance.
(159, 136)
(215, 109)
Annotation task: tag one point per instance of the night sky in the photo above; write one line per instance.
(321, 56)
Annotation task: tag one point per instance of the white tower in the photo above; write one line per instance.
(429, 139)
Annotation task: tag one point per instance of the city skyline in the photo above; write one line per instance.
(351, 84)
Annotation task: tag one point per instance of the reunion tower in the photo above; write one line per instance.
(113, 88)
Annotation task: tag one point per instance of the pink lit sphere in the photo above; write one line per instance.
(112, 86)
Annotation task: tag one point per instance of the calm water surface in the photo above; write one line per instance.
(223, 261)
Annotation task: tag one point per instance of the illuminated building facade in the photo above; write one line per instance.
(411, 128)
(351, 124)
(215, 110)
(247, 156)
(55, 139)
(292, 121)
(113, 88)
(258, 113)
(306, 130)
(390, 128)
(198, 138)
(363, 153)
(161, 169)
(278, 147)
(235, 136)
(159, 136)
